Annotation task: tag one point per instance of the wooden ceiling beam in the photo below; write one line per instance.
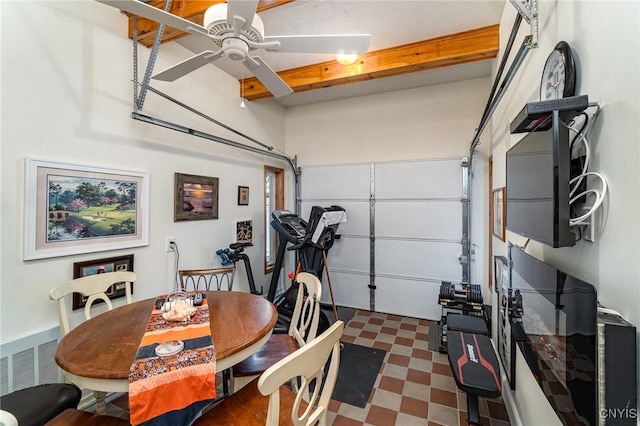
(469, 46)
(191, 10)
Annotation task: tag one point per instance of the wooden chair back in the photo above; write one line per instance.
(308, 364)
(306, 313)
(207, 279)
(93, 287)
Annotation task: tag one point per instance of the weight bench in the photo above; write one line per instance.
(465, 323)
(475, 369)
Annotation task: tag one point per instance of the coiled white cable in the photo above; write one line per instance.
(599, 197)
(575, 182)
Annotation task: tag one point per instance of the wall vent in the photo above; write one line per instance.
(29, 361)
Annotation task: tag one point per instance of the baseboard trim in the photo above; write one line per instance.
(510, 403)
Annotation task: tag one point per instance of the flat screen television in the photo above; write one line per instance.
(538, 173)
(558, 316)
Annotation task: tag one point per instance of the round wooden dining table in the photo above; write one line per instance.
(98, 353)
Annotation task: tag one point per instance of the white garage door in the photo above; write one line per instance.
(414, 211)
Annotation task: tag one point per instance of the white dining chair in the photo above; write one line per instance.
(302, 329)
(7, 419)
(261, 401)
(94, 288)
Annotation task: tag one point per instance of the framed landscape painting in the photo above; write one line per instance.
(73, 209)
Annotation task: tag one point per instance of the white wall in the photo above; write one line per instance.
(428, 122)
(67, 96)
(605, 39)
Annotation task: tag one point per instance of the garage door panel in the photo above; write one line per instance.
(410, 298)
(350, 290)
(418, 229)
(414, 219)
(419, 179)
(350, 253)
(331, 182)
(427, 259)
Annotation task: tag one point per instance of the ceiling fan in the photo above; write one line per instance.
(236, 30)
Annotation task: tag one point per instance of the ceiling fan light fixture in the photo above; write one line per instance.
(346, 58)
(235, 49)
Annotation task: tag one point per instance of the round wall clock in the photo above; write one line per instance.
(559, 74)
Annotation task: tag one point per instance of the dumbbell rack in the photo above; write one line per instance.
(464, 297)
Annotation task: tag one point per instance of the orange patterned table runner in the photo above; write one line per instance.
(173, 389)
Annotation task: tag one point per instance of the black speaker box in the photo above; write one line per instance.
(617, 371)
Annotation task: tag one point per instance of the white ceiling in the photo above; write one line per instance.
(390, 23)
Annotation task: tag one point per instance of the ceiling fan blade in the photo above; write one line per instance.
(344, 43)
(142, 9)
(188, 65)
(267, 76)
(240, 13)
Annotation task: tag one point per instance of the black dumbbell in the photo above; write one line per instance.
(444, 290)
(477, 294)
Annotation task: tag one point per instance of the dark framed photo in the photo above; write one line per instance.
(101, 266)
(243, 195)
(196, 197)
(499, 213)
(244, 230)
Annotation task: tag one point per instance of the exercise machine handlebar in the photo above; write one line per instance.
(236, 254)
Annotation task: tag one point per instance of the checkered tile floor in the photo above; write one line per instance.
(415, 385)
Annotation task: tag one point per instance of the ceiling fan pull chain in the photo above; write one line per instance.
(242, 86)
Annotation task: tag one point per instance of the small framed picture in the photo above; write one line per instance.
(501, 272)
(101, 266)
(243, 195)
(499, 213)
(196, 197)
(244, 231)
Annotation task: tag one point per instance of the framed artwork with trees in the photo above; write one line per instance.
(76, 208)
